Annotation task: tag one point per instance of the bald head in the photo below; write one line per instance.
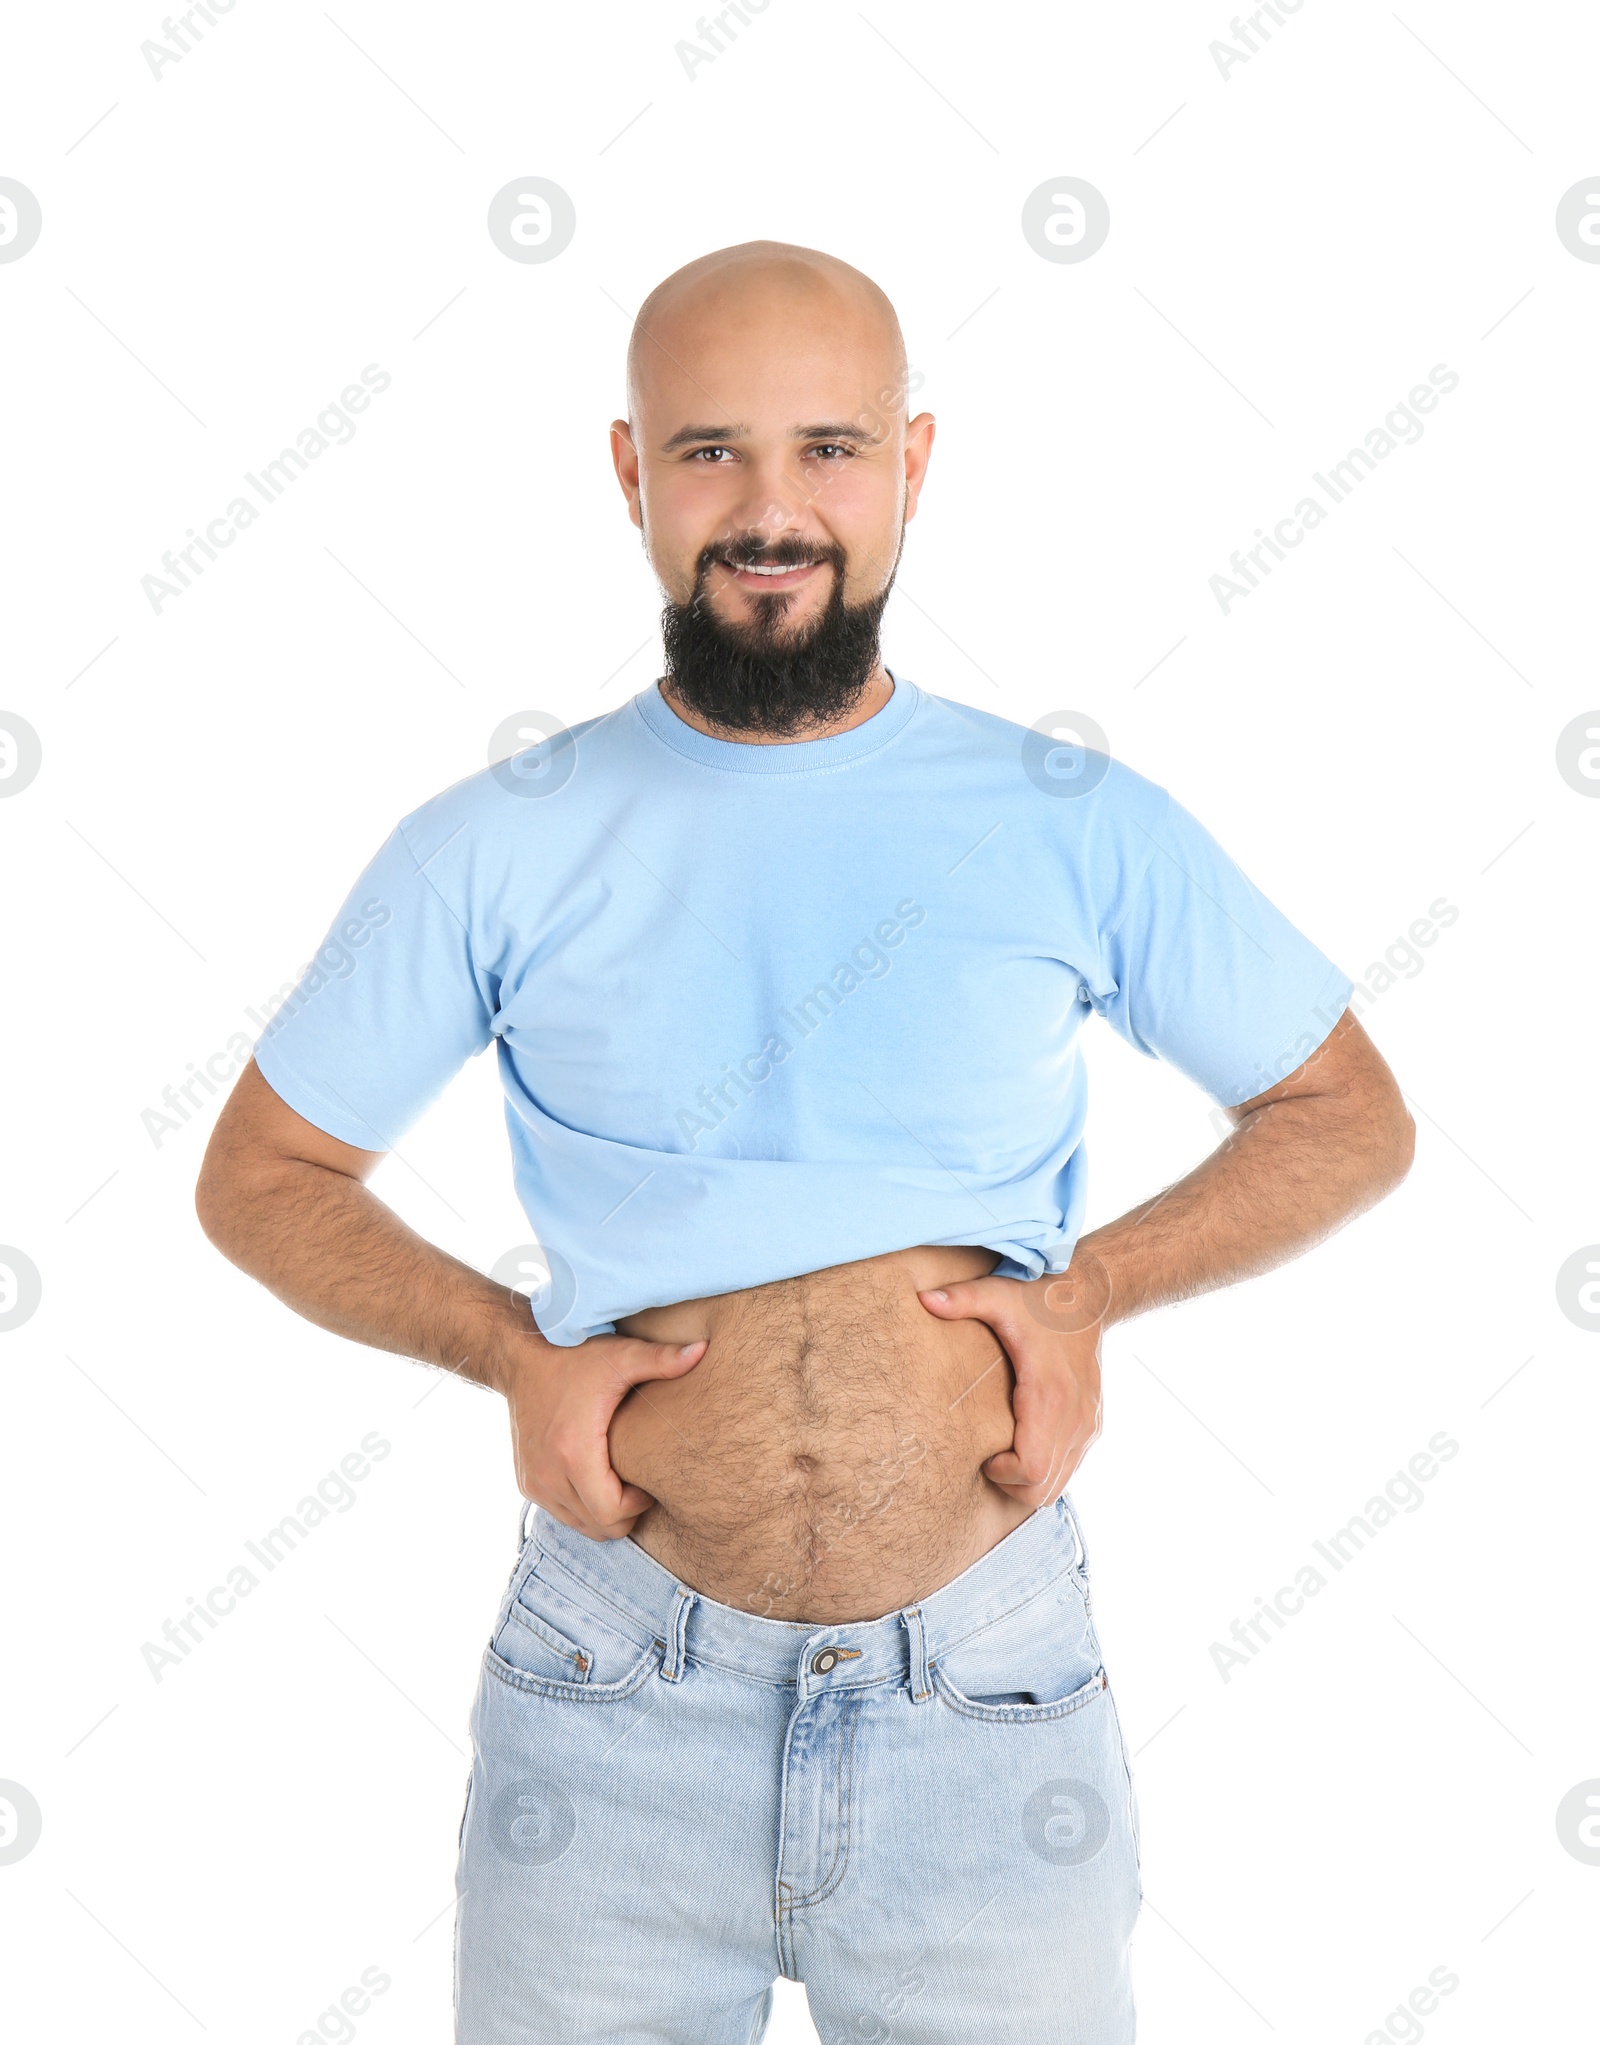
(768, 462)
(750, 294)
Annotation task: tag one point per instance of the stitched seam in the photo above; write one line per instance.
(680, 1636)
(785, 1931)
(1133, 1813)
(766, 774)
(916, 1651)
(520, 1572)
(1150, 859)
(1020, 1714)
(787, 1682)
(623, 1611)
(547, 1636)
(841, 1837)
(433, 887)
(595, 1622)
(740, 1675)
(785, 1890)
(576, 1693)
(705, 1661)
(961, 1639)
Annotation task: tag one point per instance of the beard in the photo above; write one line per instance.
(764, 676)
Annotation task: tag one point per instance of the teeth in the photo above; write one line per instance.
(750, 568)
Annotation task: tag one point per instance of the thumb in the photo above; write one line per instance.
(661, 1360)
(963, 1301)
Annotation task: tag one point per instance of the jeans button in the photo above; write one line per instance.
(822, 1663)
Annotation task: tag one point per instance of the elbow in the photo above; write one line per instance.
(1408, 1142)
(207, 1209)
(214, 1202)
(1394, 1145)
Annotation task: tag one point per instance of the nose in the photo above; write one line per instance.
(762, 516)
(771, 502)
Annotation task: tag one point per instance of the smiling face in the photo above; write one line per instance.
(771, 470)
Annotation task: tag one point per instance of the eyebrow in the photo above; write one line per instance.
(829, 430)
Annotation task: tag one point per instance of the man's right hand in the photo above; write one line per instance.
(561, 1402)
(290, 1204)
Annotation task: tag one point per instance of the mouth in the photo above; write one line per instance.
(780, 576)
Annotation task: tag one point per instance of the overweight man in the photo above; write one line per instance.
(785, 962)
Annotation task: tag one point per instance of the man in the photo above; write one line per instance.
(786, 960)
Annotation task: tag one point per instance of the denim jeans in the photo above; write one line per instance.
(926, 1818)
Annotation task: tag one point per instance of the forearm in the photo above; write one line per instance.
(1291, 1173)
(330, 1249)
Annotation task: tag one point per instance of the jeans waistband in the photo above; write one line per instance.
(897, 1647)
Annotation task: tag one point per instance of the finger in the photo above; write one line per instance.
(1015, 1473)
(971, 1299)
(1008, 1470)
(606, 1528)
(1022, 1468)
(597, 1489)
(1019, 1488)
(563, 1507)
(580, 1523)
(644, 1360)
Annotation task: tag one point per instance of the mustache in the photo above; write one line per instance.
(782, 553)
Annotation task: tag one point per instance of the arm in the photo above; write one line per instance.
(1302, 1159)
(289, 1204)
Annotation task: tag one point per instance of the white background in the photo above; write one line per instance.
(1374, 1795)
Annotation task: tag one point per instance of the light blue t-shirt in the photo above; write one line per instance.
(763, 1009)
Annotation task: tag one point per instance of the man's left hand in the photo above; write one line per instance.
(1050, 1329)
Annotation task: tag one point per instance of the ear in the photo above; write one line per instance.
(625, 460)
(919, 446)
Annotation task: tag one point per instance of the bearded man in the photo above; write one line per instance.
(786, 962)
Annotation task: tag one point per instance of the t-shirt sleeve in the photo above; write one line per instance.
(1200, 970)
(387, 1012)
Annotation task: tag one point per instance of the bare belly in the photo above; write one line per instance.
(822, 1462)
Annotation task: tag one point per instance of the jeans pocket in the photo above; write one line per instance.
(1016, 1707)
(558, 1636)
(1039, 1661)
(531, 1644)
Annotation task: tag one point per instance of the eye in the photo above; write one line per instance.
(695, 454)
(833, 447)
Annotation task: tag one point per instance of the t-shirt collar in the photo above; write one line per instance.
(795, 756)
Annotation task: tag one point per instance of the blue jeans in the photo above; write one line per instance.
(926, 1818)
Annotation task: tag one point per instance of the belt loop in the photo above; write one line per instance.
(522, 1522)
(1077, 1535)
(672, 1665)
(921, 1687)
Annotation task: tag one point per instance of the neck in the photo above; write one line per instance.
(874, 695)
